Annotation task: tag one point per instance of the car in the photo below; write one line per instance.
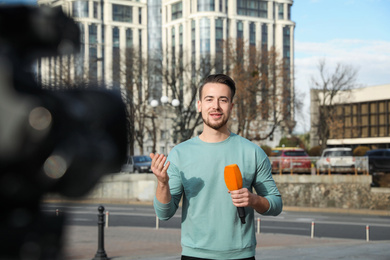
(275, 151)
(378, 160)
(137, 164)
(128, 166)
(291, 160)
(338, 159)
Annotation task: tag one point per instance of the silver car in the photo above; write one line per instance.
(336, 160)
(137, 164)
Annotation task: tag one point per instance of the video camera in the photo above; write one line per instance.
(51, 141)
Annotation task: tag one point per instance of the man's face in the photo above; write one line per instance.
(215, 105)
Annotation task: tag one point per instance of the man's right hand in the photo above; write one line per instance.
(163, 193)
(158, 168)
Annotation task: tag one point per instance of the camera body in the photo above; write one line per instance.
(60, 141)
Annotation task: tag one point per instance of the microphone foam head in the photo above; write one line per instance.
(233, 178)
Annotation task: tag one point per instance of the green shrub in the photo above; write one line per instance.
(315, 151)
(293, 141)
(360, 150)
(267, 149)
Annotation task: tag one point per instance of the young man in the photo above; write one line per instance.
(211, 228)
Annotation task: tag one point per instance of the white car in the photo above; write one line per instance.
(337, 160)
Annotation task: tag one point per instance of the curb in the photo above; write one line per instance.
(285, 208)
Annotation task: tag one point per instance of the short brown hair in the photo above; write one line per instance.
(219, 78)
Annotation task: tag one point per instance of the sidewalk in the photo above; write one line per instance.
(127, 243)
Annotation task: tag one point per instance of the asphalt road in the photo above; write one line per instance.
(329, 225)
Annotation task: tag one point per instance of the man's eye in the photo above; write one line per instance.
(224, 100)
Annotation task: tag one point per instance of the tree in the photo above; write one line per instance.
(264, 98)
(327, 86)
(182, 80)
(136, 94)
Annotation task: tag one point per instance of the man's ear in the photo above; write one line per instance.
(199, 106)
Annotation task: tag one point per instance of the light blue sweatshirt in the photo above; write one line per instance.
(211, 227)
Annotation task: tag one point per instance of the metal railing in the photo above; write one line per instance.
(308, 165)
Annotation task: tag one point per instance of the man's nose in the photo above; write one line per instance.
(216, 104)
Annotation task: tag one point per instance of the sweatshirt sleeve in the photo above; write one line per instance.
(265, 186)
(166, 211)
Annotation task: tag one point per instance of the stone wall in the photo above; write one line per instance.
(334, 191)
(310, 191)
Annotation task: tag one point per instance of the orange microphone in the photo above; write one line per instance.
(233, 180)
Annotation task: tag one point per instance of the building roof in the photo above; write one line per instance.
(365, 94)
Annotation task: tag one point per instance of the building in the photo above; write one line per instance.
(166, 32)
(362, 118)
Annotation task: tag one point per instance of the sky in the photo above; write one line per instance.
(351, 32)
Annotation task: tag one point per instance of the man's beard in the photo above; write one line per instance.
(215, 125)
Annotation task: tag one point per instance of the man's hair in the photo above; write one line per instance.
(219, 78)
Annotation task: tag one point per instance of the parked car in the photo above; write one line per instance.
(275, 151)
(378, 160)
(128, 166)
(137, 164)
(295, 159)
(337, 160)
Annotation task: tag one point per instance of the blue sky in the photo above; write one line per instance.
(353, 32)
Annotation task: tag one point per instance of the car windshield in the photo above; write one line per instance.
(337, 153)
(141, 159)
(295, 153)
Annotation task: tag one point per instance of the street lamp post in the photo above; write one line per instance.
(164, 102)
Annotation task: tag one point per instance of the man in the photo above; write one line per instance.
(211, 228)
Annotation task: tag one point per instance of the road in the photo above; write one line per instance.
(288, 222)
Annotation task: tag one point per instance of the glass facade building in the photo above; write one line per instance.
(360, 117)
(164, 30)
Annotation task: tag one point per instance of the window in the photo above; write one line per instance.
(252, 8)
(193, 37)
(173, 44)
(347, 110)
(295, 153)
(240, 30)
(129, 38)
(289, 12)
(140, 15)
(115, 56)
(264, 35)
(219, 45)
(206, 5)
(280, 11)
(164, 134)
(177, 11)
(368, 119)
(79, 68)
(115, 37)
(252, 34)
(193, 50)
(218, 34)
(122, 13)
(286, 42)
(80, 9)
(181, 39)
(92, 63)
(95, 10)
(92, 34)
(204, 35)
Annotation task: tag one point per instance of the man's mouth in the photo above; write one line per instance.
(216, 115)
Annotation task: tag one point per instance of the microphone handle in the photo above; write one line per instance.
(241, 214)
